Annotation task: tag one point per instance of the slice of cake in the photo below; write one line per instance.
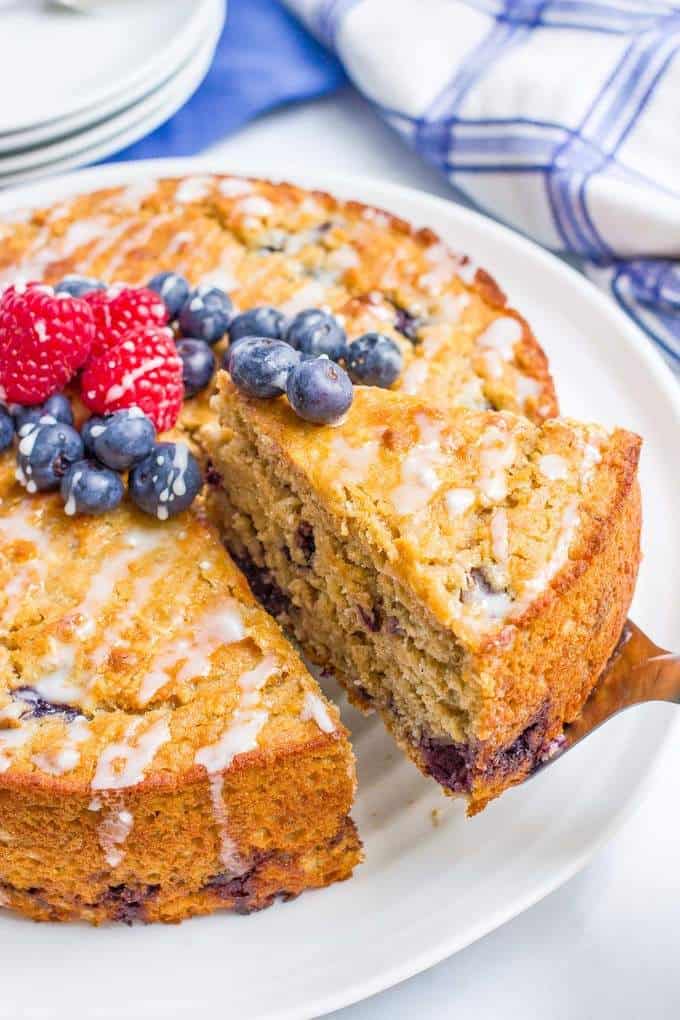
(467, 574)
(163, 751)
(276, 244)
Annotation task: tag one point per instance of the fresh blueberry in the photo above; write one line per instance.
(6, 428)
(262, 321)
(89, 488)
(76, 285)
(174, 290)
(260, 366)
(91, 425)
(45, 452)
(122, 439)
(317, 332)
(206, 314)
(320, 391)
(374, 360)
(56, 406)
(198, 365)
(167, 481)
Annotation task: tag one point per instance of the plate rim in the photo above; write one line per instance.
(659, 372)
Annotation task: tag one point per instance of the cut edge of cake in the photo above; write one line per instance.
(475, 706)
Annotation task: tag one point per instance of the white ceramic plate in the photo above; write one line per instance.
(56, 63)
(125, 128)
(425, 890)
(152, 78)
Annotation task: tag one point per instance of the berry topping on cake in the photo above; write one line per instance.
(198, 365)
(174, 290)
(206, 314)
(374, 360)
(6, 428)
(57, 407)
(44, 340)
(167, 481)
(263, 321)
(319, 391)
(77, 286)
(90, 488)
(142, 370)
(45, 452)
(118, 309)
(260, 367)
(121, 439)
(316, 332)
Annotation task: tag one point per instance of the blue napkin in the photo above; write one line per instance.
(264, 58)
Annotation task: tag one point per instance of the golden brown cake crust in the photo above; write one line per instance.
(517, 570)
(159, 756)
(274, 243)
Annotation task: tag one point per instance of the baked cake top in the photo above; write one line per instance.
(132, 648)
(481, 514)
(277, 244)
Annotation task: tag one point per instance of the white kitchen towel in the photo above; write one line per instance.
(559, 117)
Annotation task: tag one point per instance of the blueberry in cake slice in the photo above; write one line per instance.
(466, 573)
(163, 751)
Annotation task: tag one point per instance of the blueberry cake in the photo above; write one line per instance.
(276, 244)
(467, 573)
(163, 751)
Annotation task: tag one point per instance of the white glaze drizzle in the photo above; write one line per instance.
(309, 296)
(133, 753)
(497, 453)
(240, 736)
(415, 375)
(135, 193)
(247, 721)
(459, 500)
(526, 387)
(344, 257)
(118, 390)
(255, 205)
(501, 336)
(230, 858)
(553, 467)
(233, 187)
(66, 756)
(419, 469)
(314, 708)
(16, 527)
(193, 189)
(112, 832)
(12, 740)
(559, 556)
(216, 628)
(353, 462)
(131, 610)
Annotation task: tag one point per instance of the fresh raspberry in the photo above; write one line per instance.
(119, 309)
(44, 340)
(142, 370)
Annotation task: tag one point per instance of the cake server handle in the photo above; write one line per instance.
(638, 671)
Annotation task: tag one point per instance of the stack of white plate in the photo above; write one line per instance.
(80, 85)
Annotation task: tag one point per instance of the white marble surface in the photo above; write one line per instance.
(606, 946)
